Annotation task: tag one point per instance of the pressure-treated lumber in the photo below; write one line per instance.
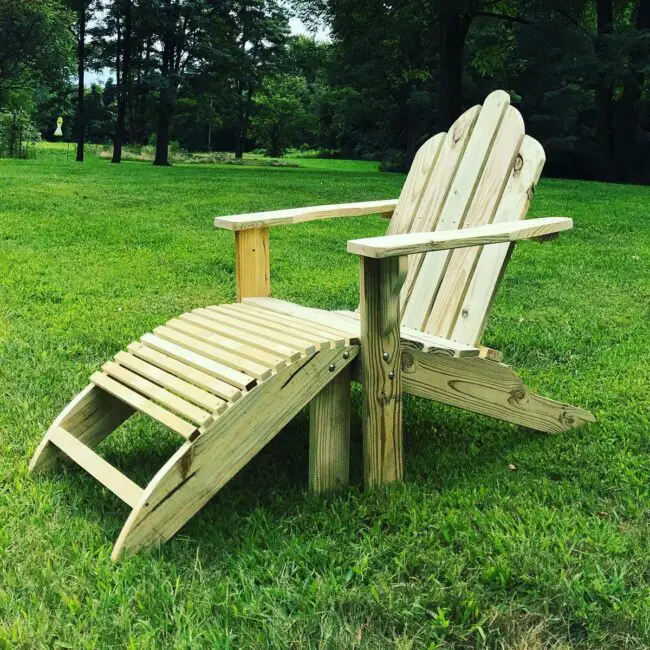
(460, 264)
(200, 469)
(381, 281)
(185, 371)
(496, 233)
(487, 387)
(254, 341)
(167, 380)
(349, 322)
(329, 435)
(96, 466)
(297, 327)
(228, 377)
(91, 416)
(252, 263)
(261, 358)
(132, 380)
(233, 319)
(263, 220)
(141, 403)
(235, 362)
(463, 185)
(221, 371)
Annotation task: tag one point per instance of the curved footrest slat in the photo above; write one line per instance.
(141, 403)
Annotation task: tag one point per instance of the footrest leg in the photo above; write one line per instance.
(329, 435)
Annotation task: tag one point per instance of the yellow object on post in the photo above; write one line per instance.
(59, 124)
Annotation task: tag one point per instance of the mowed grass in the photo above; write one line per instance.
(465, 553)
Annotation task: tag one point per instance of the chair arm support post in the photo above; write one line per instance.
(252, 263)
(381, 281)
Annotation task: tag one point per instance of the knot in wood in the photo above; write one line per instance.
(566, 420)
(516, 395)
(464, 313)
(531, 192)
(519, 163)
(407, 361)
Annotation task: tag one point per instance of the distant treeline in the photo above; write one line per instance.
(228, 75)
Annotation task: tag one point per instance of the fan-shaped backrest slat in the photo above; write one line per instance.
(480, 172)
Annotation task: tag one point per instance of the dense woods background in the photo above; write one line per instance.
(222, 75)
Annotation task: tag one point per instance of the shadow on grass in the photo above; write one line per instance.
(444, 449)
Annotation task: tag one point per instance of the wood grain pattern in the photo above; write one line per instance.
(234, 319)
(485, 387)
(417, 181)
(481, 211)
(141, 403)
(236, 363)
(457, 200)
(381, 281)
(259, 220)
(493, 260)
(437, 189)
(199, 470)
(329, 435)
(261, 358)
(421, 242)
(252, 263)
(239, 380)
(236, 334)
(91, 416)
(349, 322)
(185, 371)
(169, 381)
(147, 388)
(96, 466)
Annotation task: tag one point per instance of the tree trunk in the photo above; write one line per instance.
(162, 135)
(165, 107)
(629, 151)
(81, 64)
(604, 91)
(454, 26)
(124, 86)
(243, 120)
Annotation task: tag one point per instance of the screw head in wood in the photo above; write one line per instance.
(332, 367)
(386, 356)
(346, 355)
(391, 375)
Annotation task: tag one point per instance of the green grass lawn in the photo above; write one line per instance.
(465, 553)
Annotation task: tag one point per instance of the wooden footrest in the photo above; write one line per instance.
(186, 373)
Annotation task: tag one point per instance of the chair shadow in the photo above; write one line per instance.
(444, 448)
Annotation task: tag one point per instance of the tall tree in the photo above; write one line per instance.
(259, 29)
(83, 11)
(35, 46)
(604, 91)
(178, 24)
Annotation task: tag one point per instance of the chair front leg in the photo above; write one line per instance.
(380, 284)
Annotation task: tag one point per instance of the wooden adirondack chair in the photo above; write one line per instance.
(227, 378)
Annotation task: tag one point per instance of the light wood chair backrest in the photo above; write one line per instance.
(484, 170)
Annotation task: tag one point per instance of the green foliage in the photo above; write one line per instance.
(464, 554)
(35, 48)
(18, 136)
(282, 116)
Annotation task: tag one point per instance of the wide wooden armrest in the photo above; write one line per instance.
(298, 215)
(424, 242)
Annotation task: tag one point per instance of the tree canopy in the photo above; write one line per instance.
(228, 75)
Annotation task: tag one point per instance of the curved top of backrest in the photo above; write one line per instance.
(483, 170)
